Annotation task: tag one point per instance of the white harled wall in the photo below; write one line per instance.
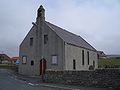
(73, 52)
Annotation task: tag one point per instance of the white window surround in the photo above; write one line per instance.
(54, 59)
(24, 59)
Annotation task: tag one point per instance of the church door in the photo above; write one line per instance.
(43, 66)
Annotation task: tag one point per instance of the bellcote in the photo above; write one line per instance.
(41, 13)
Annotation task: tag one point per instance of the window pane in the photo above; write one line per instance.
(88, 57)
(32, 63)
(54, 59)
(82, 57)
(31, 41)
(45, 39)
(74, 64)
(24, 59)
(94, 64)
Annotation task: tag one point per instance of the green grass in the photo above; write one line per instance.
(8, 66)
(109, 63)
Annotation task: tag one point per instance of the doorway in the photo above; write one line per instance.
(43, 64)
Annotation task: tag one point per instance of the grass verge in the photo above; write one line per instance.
(9, 66)
(109, 63)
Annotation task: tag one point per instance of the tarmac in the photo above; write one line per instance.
(36, 80)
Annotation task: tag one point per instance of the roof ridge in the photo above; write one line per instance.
(63, 29)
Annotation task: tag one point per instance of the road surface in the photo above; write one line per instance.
(9, 81)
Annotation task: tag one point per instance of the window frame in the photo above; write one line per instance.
(55, 60)
(45, 38)
(93, 63)
(88, 57)
(24, 62)
(32, 63)
(31, 41)
(74, 64)
(83, 58)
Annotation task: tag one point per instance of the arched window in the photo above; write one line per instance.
(88, 57)
(74, 64)
(32, 63)
(82, 57)
(94, 64)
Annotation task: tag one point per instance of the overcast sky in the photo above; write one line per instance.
(97, 21)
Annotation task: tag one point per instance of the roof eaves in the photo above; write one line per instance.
(82, 47)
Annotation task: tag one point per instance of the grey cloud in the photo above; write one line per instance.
(97, 21)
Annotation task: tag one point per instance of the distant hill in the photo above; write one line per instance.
(113, 56)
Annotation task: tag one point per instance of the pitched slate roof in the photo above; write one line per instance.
(70, 38)
(4, 57)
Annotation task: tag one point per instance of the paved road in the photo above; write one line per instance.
(8, 81)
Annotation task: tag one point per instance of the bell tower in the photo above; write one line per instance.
(41, 14)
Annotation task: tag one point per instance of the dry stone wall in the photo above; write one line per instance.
(97, 78)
